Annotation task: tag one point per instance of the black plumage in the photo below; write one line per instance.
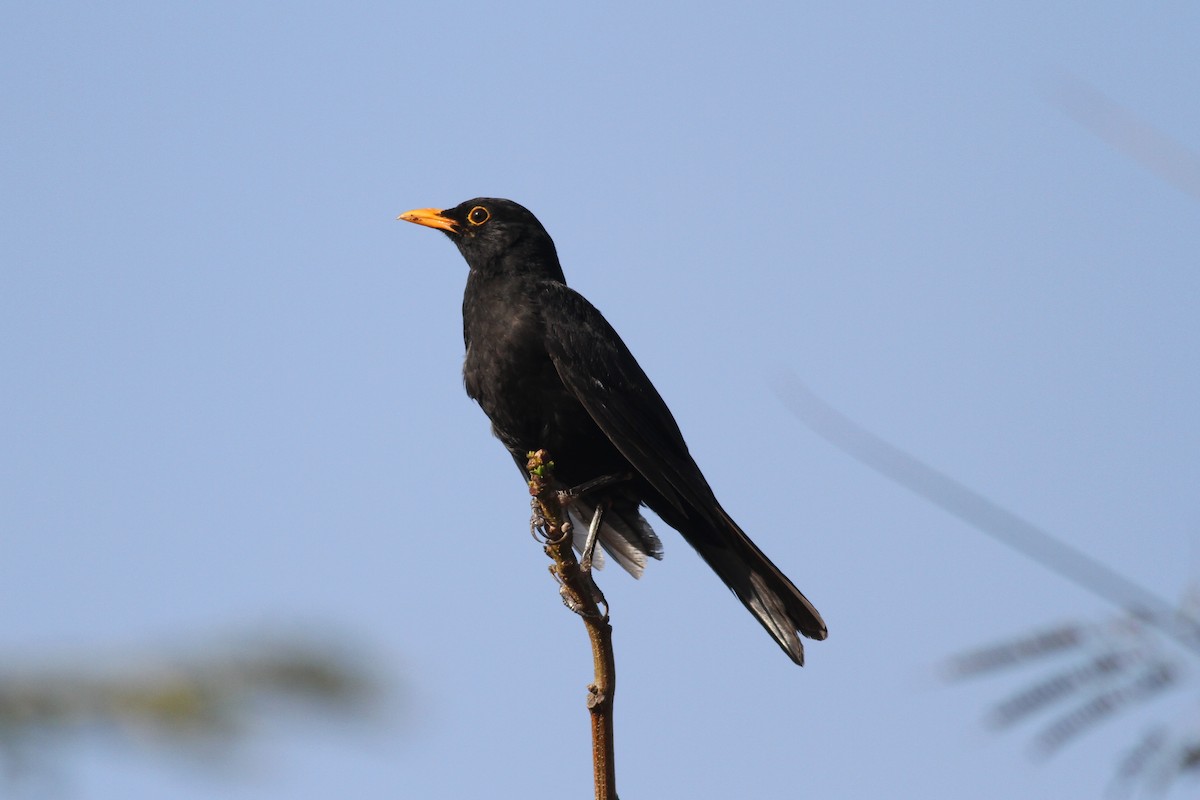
(550, 372)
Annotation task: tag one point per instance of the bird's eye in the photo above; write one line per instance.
(479, 215)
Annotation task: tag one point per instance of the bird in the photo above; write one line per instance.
(551, 373)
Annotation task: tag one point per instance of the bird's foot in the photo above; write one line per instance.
(573, 601)
(539, 527)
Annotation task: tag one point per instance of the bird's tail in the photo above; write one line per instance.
(768, 594)
(624, 534)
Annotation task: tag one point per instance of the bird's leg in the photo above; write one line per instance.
(567, 495)
(589, 544)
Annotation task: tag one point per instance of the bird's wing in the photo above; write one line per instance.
(597, 367)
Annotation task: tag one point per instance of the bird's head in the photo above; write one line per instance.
(495, 236)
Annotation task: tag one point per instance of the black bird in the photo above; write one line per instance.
(550, 372)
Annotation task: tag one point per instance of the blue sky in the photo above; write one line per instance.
(231, 393)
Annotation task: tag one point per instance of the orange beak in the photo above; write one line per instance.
(430, 218)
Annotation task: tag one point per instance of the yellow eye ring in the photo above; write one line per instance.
(478, 215)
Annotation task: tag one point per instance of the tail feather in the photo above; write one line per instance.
(765, 591)
(624, 535)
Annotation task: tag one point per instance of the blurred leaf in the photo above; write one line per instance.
(1154, 679)
(1060, 687)
(1018, 651)
(190, 705)
(1140, 758)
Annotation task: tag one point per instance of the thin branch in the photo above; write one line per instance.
(580, 594)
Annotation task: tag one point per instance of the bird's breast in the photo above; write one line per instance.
(507, 369)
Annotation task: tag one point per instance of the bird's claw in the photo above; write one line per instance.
(539, 527)
(572, 600)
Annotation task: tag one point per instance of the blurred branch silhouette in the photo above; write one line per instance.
(198, 706)
(1154, 150)
(1116, 665)
(989, 517)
